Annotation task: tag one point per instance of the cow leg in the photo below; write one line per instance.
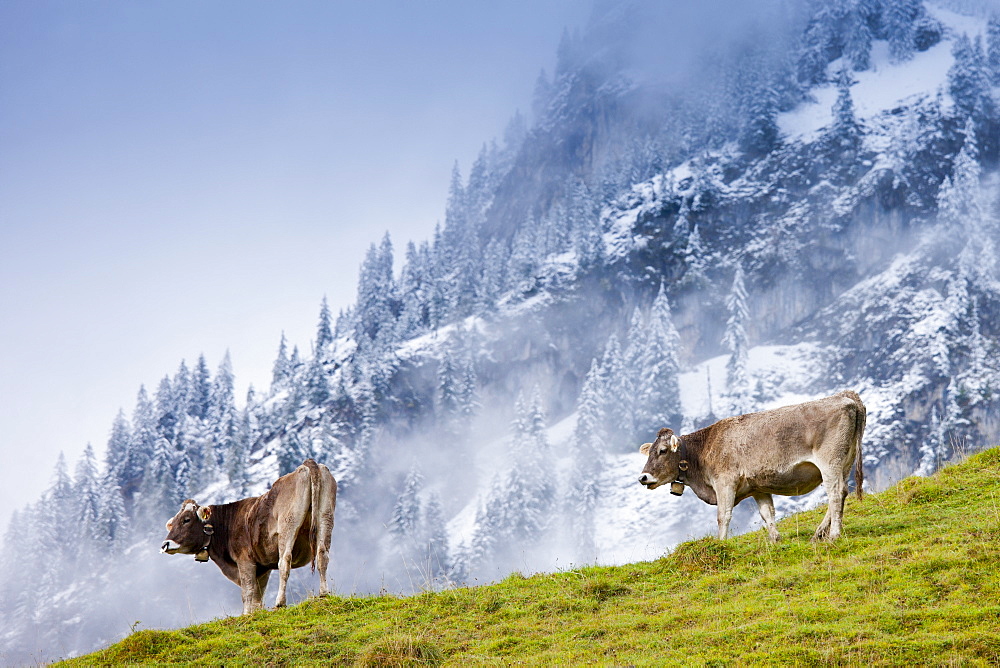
(765, 504)
(322, 562)
(262, 586)
(726, 498)
(836, 492)
(284, 568)
(248, 587)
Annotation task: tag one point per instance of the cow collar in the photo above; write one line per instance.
(202, 554)
(677, 486)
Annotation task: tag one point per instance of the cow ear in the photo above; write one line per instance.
(170, 525)
(674, 443)
(204, 513)
(644, 448)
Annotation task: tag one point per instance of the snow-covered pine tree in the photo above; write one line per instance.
(238, 461)
(858, 40)
(222, 409)
(899, 18)
(144, 435)
(116, 457)
(589, 444)
(166, 418)
(632, 382)
(696, 262)
(659, 394)
(317, 382)
(961, 209)
(112, 518)
(405, 518)
(86, 491)
(736, 341)
(377, 306)
(412, 292)
(183, 392)
(57, 527)
(436, 534)
(759, 135)
(494, 281)
(818, 45)
(969, 80)
(281, 370)
(437, 295)
(524, 256)
(612, 372)
(324, 329)
(202, 385)
(447, 400)
(157, 491)
(468, 389)
(993, 49)
(845, 131)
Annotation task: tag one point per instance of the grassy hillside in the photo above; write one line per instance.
(914, 580)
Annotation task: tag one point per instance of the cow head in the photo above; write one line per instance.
(663, 461)
(188, 532)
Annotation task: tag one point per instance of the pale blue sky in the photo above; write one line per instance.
(187, 177)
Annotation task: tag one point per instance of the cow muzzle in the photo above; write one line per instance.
(169, 547)
(648, 481)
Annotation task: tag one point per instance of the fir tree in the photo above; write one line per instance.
(612, 372)
(144, 436)
(696, 261)
(659, 393)
(86, 490)
(202, 389)
(845, 132)
(324, 332)
(281, 370)
(589, 438)
(183, 392)
(118, 452)
(735, 339)
(317, 382)
(166, 418)
(448, 390)
(858, 44)
(760, 133)
(993, 49)
(437, 539)
(961, 209)
(899, 20)
(406, 511)
(969, 80)
(376, 307)
(412, 292)
(494, 281)
(222, 412)
(112, 519)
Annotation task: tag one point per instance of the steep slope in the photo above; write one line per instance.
(912, 581)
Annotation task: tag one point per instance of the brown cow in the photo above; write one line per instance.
(787, 451)
(285, 528)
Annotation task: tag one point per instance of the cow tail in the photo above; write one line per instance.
(316, 490)
(860, 418)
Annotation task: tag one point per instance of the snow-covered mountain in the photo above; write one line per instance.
(806, 206)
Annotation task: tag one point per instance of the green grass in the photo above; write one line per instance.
(915, 579)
